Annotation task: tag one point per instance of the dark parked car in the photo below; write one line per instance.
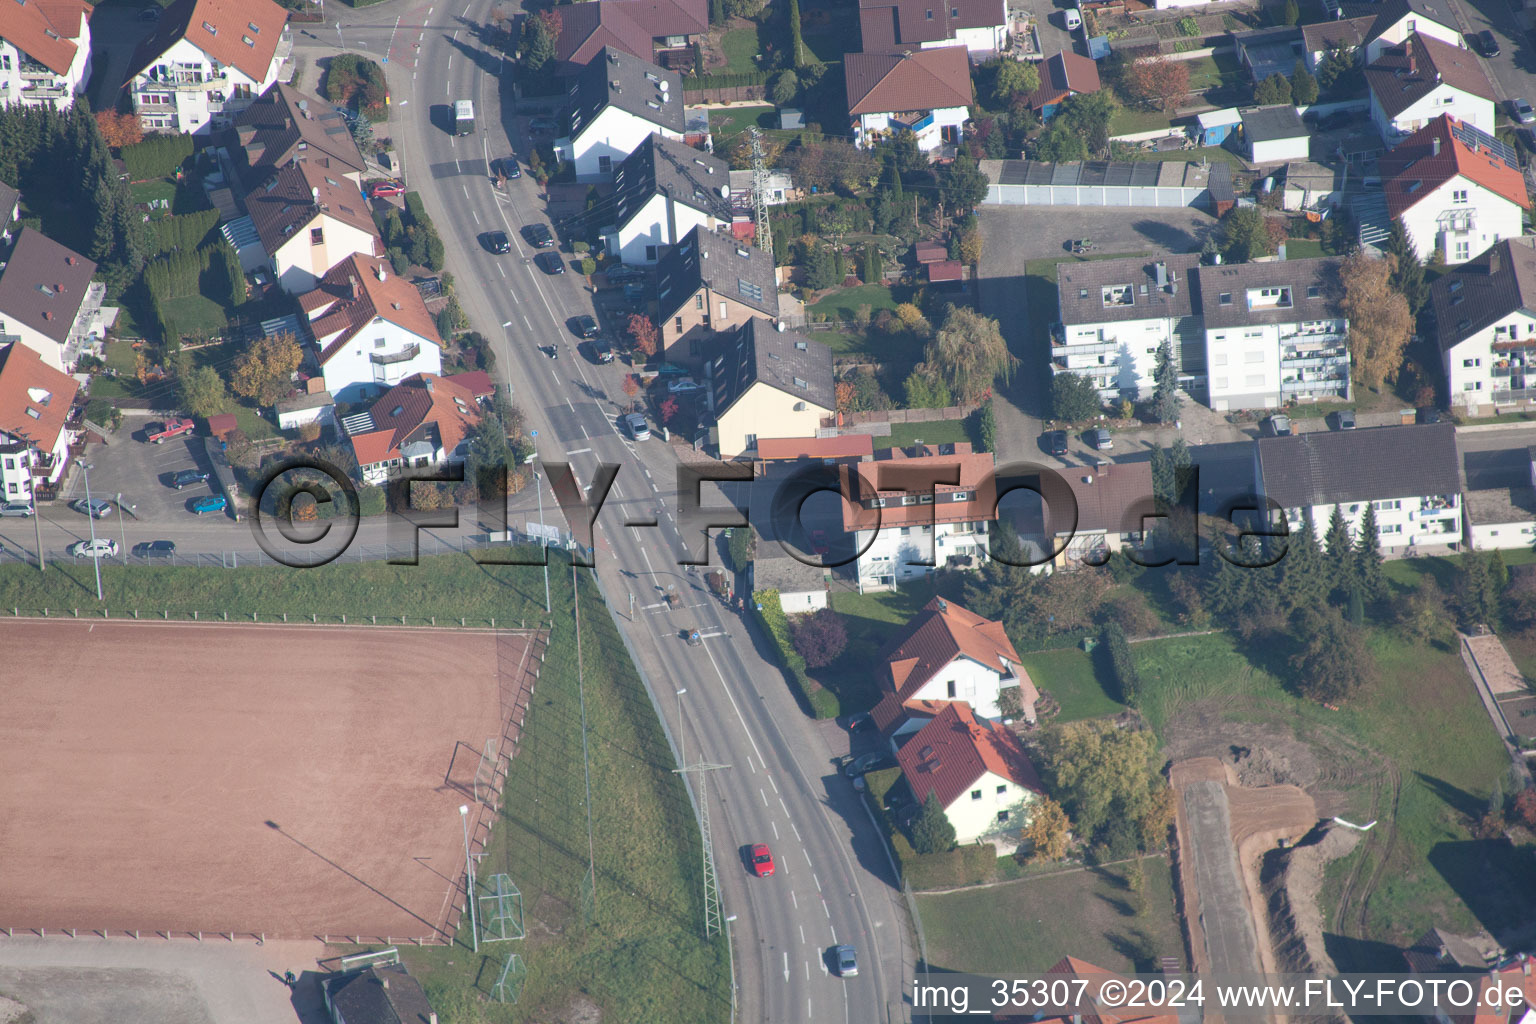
(1428, 414)
(1487, 43)
(873, 761)
(550, 262)
(584, 326)
(507, 166)
(498, 242)
(602, 350)
(539, 236)
(1055, 442)
(1527, 139)
(188, 477)
(154, 549)
(542, 126)
(618, 273)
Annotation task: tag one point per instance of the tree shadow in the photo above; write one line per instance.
(1139, 948)
(1495, 880)
(1363, 955)
(1459, 799)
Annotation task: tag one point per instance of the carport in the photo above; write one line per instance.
(1101, 183)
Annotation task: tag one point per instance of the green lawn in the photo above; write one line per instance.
(254, 425)
(1214, 154)
(1070, 677)
(741, 48)
(843, 303)
(148, 191)
(1303, 248)
(197, 315)
(872, 621)
(1130, 122)
(728, 122)
(642, 956)
(905, 435)
(1218, 69)
(1025, 927)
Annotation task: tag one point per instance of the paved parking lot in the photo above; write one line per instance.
(142, 472)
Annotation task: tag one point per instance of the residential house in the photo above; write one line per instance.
(658, 31)
(1101, 1006)
(1485, 322)
(914, 509)
(1115, 314)
(34, 438)
(1274, 333)
(710, 282)
(1101, 510)
(764, 380)
(48, 301)
(10, 213)
(844, 449)
(1269, 51)
(285, 125)
(617, 101)
(801, 587)
(1398, 19)
(981, 26)
(1410, 474)
(949, 653)
(979, 772)
(45, 52)
(307, 218)
(206, 61)
(1457, 189)
(1439, 952)
(423, 421)
(662, 191)
(1346, 35)
(1421, 78)
(926, 92)
(1310, 187)
(382, 994)
(371, 329)
(1275, 133)
(1503, 517)
(1061, 75)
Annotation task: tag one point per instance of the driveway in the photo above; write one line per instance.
(116, 33)
(141, 473)
(1224, 917)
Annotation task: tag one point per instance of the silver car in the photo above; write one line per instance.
(17, 508)
(847, 959)
(101, 547)
(634, 426)
(96, 508)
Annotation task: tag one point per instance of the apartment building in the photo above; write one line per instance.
(616, 102)
(710, 282)
(1485, 322)
(45, 52)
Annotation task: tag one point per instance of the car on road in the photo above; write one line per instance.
(1099, 439)
(507, 167)
(380, 189)
(188, 477)
(550, 262)
(542, 126)
(633, 424)
(870, 762)
(17, 508)
(96, 508)
(1521, 111)
(154, 549)
(1346, 419)
(1054, 442)
(819, 542)
(846, 958)
(1279, 425)
(618, 273)
(1487, 44)
(683, 384)
(602, 350)
(762, 860)
(101, 547)
(498, 242)
(539, 236)
(584, 326)
(208, 503)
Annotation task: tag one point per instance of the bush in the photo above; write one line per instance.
(932, 831)
(185, 231)
(356, 82)
(982, 426)
(819, 637)
(737, 80)
(1122, 664)
(770, 616)
(156, 157)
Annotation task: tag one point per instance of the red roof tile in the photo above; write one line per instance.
(628, 25)
(1096, 976)
(844, 446)
(413, 410)
(893, 83)
(952, 751)
(861, 483)
(45, 30)
(1061, 75)
(1440, 151)
(942, 632)
(945, 270)
(930, 252)
(380, 293)
(220, 29)
(34, 397)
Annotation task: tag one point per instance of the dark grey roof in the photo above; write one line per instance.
(666, 167)
(1266, 124)
(1226, 476)
(740, 272)
(1437, 11)
(378, 995)
(1081, 289)
(1313, 284)
(617, 79)
(8, 200)
(285, 124)
(1484, 290)
(44, 284)
(756, 352)
(1374, 464)
(774, 570)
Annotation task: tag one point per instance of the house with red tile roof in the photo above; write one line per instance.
(206, 61)
(34, 437)
(1061, 75)
(307, 218)
(979, 772)
(48, 301)
(425, 420)
(913, 509)
(1457, 189)
(926, 92)
(948, 653)
(285, 125)
(981, 26)
(845, 448)
(1419, 79)
(1095, 978)
(1514, 978)
(371, 329)
(45, 52)
(658, 31)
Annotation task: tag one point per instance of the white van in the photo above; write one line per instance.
(1074, 19)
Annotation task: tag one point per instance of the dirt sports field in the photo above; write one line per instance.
(279, 780)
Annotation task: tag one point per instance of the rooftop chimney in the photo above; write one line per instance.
(70, 260)
(1494, 263)
(1413, 63)
(352, 280)
(314, 194)
(943, 605)
(1435, 146)
(379, 272)
(429, 384)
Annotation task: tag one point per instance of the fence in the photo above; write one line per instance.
(949, 412)
(725, 94)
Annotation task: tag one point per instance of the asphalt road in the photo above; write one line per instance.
(1229, 936)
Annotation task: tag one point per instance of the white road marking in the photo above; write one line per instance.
(781, 804)
(826, 911)
(796, 831)
(525, 321)
(477, 221)
(808, 1005)
(834, 934)
(450, 62)
(503, 272)
(786, 968)
(466, 190)
(802, 934)
(816, 880)
(807, 970)
(763, 795)
(579, 451)
(447, 88)
(775, 785)
(775, 827)
(466, 11)
(793, 900)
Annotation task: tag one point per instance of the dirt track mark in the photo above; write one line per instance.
(1393, 784)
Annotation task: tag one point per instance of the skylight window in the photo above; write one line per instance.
(255, 28)
(210, 29)
(34, 413)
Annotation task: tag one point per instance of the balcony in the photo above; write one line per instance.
(30, 72)
(405, 355)
(1329, 385)
(915, 126)
(1315, 359)
(44, 92)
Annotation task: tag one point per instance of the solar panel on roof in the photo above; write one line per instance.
(1120, 174)
(1014, 172)
(1475, 138)
(1145, 173)
(1040, 173)
(1067, 173)
(1094, 173)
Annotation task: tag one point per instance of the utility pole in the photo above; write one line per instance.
(538, 488)
(90, 514)
(760, 193)
(711, 883)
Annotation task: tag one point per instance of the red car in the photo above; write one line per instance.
(762, 860)
(380, 189)
(819, 542)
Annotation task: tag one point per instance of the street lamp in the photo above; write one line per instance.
(730, 952)
(682, 739)
(539, 490)
(469, 880)
(90, 514)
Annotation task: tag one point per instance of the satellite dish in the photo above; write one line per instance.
(725, 191)
(664, 85)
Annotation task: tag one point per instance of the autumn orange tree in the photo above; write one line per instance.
(1155, 81)
(1379, 321)
(119, 129)
(644, 334)
(265, 372)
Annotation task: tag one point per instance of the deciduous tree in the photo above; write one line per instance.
(119, 129)
(1156, 81)
(1048, 832)
(819, 637)
(969, 354)
(1099, 771)
(265, 372)
(1332, 661)
(202, 391)
(1074, 398)
(1379, 319)
(1014, 78)
(643, 333)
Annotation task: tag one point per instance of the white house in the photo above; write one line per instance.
(1485, 319)
(45, 52)
(48, 301)
(764, 380)
(1457, 189)
(1116, 313)
(949, 653)
(1274, 333)
(1275, 133)
(1504, 518)
(980, 26)
(1411, 475)
(371, 327)
(978, 771)
(905, 525)
(662, 191)
(34, 440)
(1416, 81)
(301, 410)
(1399, 19)
(423, 421)
(206, 61)
(307, 219)
(926, 92)
(616, 102)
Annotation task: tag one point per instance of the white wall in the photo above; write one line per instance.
(983, 40)
(795, 603)
(1281, 149)
(927, 140)
(1461, 229)
(976, 817)
(1401, 523)
(298, 263)
(1129, 365)
(1245, 364)
(972, 682)
(351, 375)
(51, 351)
(1398, 33)
(660, 223)
(1472, 372)
(71, 84)
(194, 107)
(1443, 99)
(883, 563)
(1503, 536)
(615, 134)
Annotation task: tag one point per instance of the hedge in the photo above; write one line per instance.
(156, 157)
(735, 80)
(181, 273)
(770, 615)
(962, 866)
(185, 231)
(1122, 664)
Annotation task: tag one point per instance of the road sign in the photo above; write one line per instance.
(546, 531)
